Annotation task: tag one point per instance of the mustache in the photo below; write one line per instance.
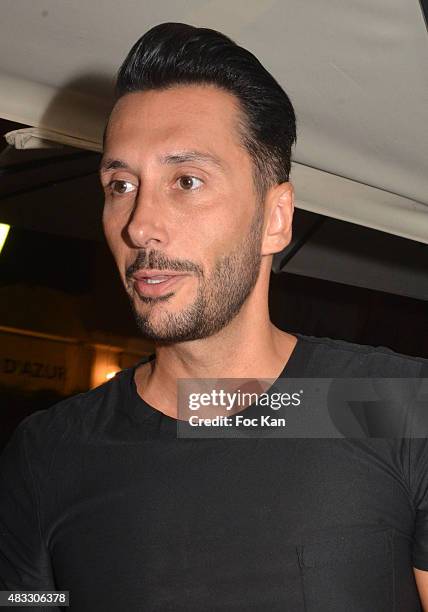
(155, 260)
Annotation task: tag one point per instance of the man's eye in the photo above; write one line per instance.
(189, 183)
(118, 187)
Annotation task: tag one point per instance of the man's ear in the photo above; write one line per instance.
(279, 208)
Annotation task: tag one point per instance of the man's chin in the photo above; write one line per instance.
(157, 326)
(162, 337)
(169, 330)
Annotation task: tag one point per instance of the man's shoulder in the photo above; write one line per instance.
(338, 357)
(70, 416)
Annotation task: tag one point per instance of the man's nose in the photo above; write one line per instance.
(147, 221)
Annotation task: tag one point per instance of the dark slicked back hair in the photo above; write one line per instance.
(172, 54)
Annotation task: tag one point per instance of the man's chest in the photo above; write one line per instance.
(241, 524)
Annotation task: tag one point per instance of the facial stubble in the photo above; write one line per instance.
(220, 296)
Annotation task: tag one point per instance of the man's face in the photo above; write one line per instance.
(181, 215)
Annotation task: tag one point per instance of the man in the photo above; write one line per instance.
(99, 495)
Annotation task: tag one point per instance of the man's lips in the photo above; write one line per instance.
(152, 283)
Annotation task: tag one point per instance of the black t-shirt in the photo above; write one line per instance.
(99, 497)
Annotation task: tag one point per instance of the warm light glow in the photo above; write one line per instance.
(4, 230)
(111, 374)
(105, 364)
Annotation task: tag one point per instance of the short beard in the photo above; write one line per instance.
(220, 297)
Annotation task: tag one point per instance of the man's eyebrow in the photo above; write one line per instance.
(170, 159)
(191, 156)
(112, 164)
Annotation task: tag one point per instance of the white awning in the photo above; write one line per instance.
(356, 74)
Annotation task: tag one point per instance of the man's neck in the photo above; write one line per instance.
(260, 351)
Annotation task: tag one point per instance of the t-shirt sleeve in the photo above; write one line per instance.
(419, 487)
(24, 559)
(418, 466)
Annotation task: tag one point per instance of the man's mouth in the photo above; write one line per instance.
(155, 280)
(152, 284)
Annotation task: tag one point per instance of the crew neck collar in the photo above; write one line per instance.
(141, 410)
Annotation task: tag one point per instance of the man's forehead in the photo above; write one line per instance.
(186, 107)
(144, 121)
